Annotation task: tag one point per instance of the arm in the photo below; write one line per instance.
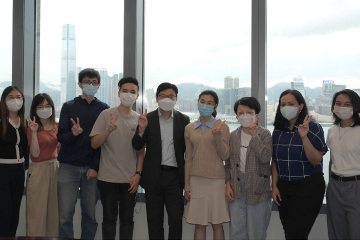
(222, 139)
(262, 147)
(99, 139)
(275, 178)
(135, 180)
(138, 142)
(65, 135)
(34, 144)
(330, 164)
(188, 160)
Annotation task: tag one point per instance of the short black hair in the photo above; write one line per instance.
(166, 85)
(280, 121)
(128, 79)
(355, 101)
(250, 102)
(214, 95)
(90, 73)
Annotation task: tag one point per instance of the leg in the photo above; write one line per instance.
(17, 190)
(155, 212)
(218, 231)
(52, 208)
(283, 209)
(200, 232)
(5, 207)
(126, 212)
(68, 189)
(174, 202)
(351, 196)
(109, 194)
(258, 218)
(88, 199)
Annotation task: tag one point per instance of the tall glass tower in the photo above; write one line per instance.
(68, 63)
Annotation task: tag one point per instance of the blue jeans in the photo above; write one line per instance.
(72, 183)
(248, 221)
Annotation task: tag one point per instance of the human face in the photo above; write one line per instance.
(290, 100)
(43, 105)
(243, 109)
(167, 93)
(343, 100)
(14, 94)
(87, 81)
(129, 88)
(208, 100)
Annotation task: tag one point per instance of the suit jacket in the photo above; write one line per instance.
(152, 140)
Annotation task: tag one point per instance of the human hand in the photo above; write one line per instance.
(143, 122)
(90, 174)
(229, 193)
(253, 126)
(134, 183)
(112, 124)
(187, 195)
(33, 125)
(276, 196)
(303, 128)
(76, 129)
(218, 126)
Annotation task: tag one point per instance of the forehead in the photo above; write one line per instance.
(14, 93)
(45, 102)
(129, 86)
(244, 108)
(168, 91)
(288, 98)
(207, 97)
(343, 98)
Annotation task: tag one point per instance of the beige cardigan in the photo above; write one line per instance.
(205, 153)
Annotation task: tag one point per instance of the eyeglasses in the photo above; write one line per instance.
(11, 97)
(41, 107)
(94, 83)
(171, 96)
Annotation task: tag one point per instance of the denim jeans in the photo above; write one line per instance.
(248, 221)
(115, 199)
(72, 183)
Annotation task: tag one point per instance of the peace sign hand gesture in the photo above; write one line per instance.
(143, 122)
(33, 125)
(253, 126)
(112, 124)
(303, 129)
(76, 129)
(218, 126)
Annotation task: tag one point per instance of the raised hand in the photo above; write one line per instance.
(143, 122)
(33, 125)
(112, 124)
(76, 129)
(218, 126)
(253, 127)
(303, 129)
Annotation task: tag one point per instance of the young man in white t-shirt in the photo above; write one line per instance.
(120, 165)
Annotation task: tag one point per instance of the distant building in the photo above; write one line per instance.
(298, 84)
(228, 82)
(68, 63)
(104, 93)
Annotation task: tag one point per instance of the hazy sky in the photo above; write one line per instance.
(203, 40)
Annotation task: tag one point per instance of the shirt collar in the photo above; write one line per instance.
(209, 123)
(161, 116)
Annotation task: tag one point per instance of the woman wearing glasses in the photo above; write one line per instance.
(248, 173)
(42, 203)
(207, 146)
(14, 158)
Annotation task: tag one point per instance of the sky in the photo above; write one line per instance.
(202, 41)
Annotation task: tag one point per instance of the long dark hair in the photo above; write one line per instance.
(214, 95)
(355, 101)
(280, 121)
(5, 112)
(39, 99)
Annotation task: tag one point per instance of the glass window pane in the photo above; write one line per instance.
(313, 46)
(6, 14)
(198, 45)
(80, 34)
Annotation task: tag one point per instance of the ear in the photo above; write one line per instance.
(99, 85)
(137, 96)
(301, 107)
(157, 99)
(80, 85)
(119, 93)
(215, 107)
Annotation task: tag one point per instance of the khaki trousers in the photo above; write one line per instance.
(42, 217)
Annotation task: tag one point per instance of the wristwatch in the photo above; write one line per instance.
(138, 172)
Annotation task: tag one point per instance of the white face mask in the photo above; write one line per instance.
(166, 104)
(14, 105)
(245, 120)
(45, 113)
(344, 113)
(127, 99)
(289, 112)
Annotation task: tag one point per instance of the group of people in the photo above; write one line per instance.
(97, 151)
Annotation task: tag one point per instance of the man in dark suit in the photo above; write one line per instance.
(162, 132)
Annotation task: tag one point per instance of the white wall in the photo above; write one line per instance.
(274, 231)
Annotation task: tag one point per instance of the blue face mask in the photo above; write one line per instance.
(90, 90)
(205, 110)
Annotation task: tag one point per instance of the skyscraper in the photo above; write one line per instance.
(228, 82)
(68, 63)
(298, 84)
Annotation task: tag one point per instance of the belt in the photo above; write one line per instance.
(11, 161)
(168, 168)
(344, 179)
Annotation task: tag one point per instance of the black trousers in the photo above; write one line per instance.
(115, 199)
(12, 177)
(300, 205)
(168, 192)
